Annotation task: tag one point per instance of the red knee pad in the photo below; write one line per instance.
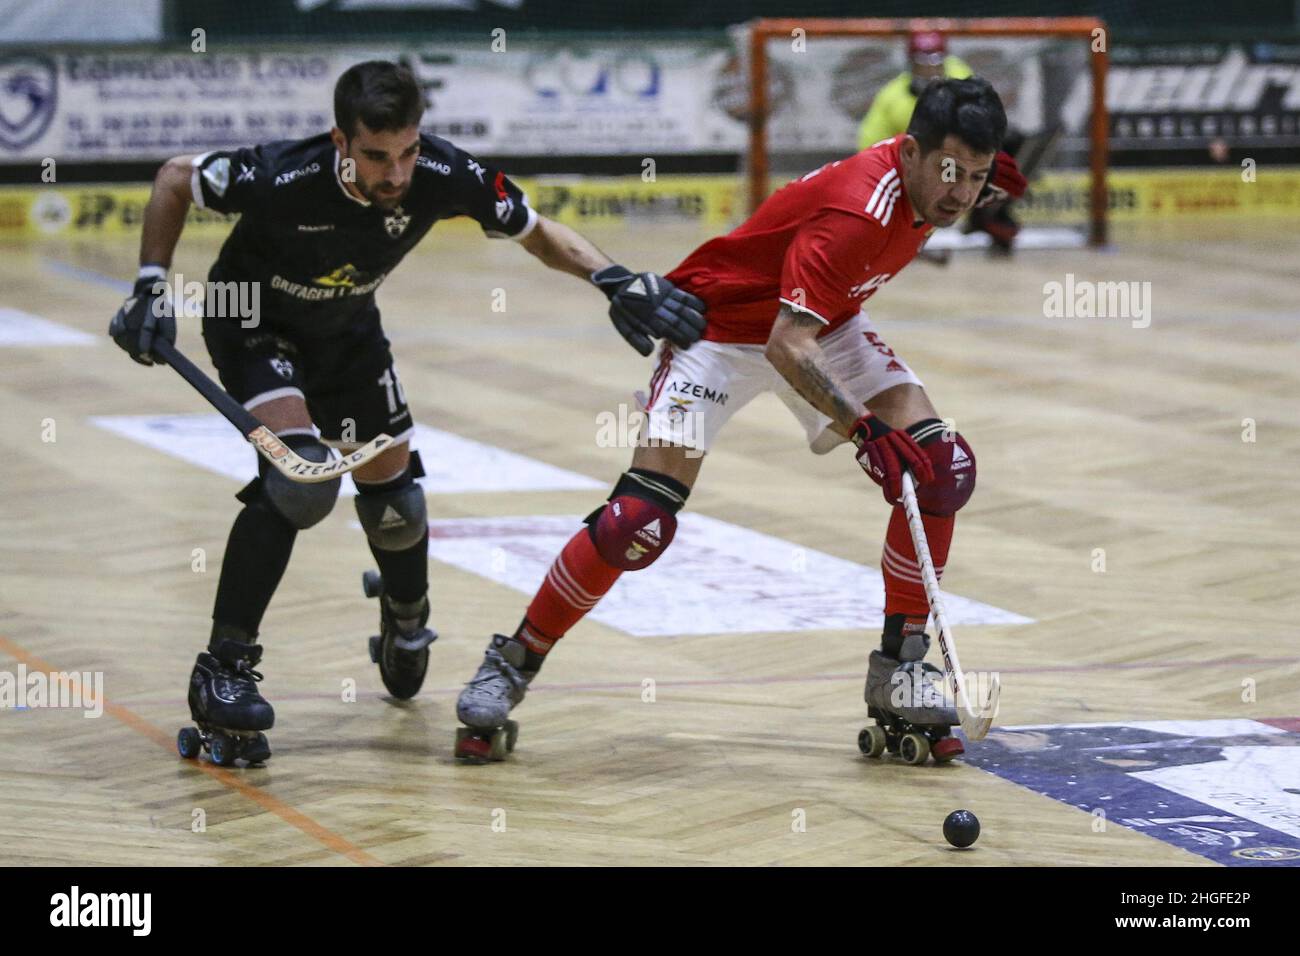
(631, 533)
(954, 476)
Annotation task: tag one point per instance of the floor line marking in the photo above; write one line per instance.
(294, 817)
(597, 686)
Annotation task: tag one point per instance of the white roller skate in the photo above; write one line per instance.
(905, 697)
(484, 705)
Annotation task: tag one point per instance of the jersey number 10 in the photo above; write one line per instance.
(393, 384)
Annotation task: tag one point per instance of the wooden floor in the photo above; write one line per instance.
(1091, 434)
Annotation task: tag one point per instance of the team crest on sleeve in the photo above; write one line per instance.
(217, 175)
(396, 222)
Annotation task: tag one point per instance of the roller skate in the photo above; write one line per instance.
(401, 648)
(225, 703)
(906, 699)
(485, 703)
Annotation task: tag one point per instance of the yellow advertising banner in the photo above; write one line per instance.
(1140, 195)
(710, 200)
(86, 210)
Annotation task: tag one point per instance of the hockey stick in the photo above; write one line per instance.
(290, 464)
(1037, 149)
(975, 723)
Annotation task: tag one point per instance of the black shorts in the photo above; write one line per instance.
(348, 380)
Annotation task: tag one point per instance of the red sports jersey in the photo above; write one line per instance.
(822, 244)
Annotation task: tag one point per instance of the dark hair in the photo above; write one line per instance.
(968, 109)
(380, 94)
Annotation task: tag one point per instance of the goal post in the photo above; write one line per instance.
(1084, 37)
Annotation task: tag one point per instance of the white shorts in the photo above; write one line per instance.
(693, 393)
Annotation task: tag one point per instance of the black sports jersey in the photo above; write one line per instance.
(318, 251)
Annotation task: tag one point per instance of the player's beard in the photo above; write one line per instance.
(385, 200)
(943, 218)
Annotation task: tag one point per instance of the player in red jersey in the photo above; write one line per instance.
(784, 293)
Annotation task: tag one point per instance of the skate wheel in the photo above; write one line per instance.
(914, 748)
(189, 743)
(372, 584)
(499, 744)
(471, 747)
(946, 748)
(512, 735)
(374, 649)
(257, 750)
(223, 750)
(871, 741)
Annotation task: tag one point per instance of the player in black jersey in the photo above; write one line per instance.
(295, 336)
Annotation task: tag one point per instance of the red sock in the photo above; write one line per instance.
(904, 592)
(578, 579)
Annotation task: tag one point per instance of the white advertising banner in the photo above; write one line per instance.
(556, 98)
(518, 97)
(144, 105)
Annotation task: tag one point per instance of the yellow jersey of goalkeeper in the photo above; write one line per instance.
(891, 110)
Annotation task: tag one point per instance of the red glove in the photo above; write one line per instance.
(1005, 183)
(883, 454)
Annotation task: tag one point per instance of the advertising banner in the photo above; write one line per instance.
(713, 202)
(570, 99)
(525, 96)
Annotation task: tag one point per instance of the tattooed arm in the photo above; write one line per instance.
(793, 351)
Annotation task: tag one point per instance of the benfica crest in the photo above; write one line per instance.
(396, 222)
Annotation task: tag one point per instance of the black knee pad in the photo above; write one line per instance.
(299, 503)
(393, 515)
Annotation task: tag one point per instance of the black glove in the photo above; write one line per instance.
(145, 315)
(648, 306)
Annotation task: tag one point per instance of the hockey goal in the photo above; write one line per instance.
(812, 80)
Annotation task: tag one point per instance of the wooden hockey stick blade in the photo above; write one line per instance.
(296, 468)
(283, 458)
(974, 722)
(976, 725)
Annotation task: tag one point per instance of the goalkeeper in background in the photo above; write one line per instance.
(927, 52)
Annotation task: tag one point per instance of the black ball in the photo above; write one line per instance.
(961, 828)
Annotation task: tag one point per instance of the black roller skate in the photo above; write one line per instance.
(401, 648)
(905, 697)
(226, 705)
(485, 703)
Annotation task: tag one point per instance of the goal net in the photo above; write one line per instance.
(809, 82)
